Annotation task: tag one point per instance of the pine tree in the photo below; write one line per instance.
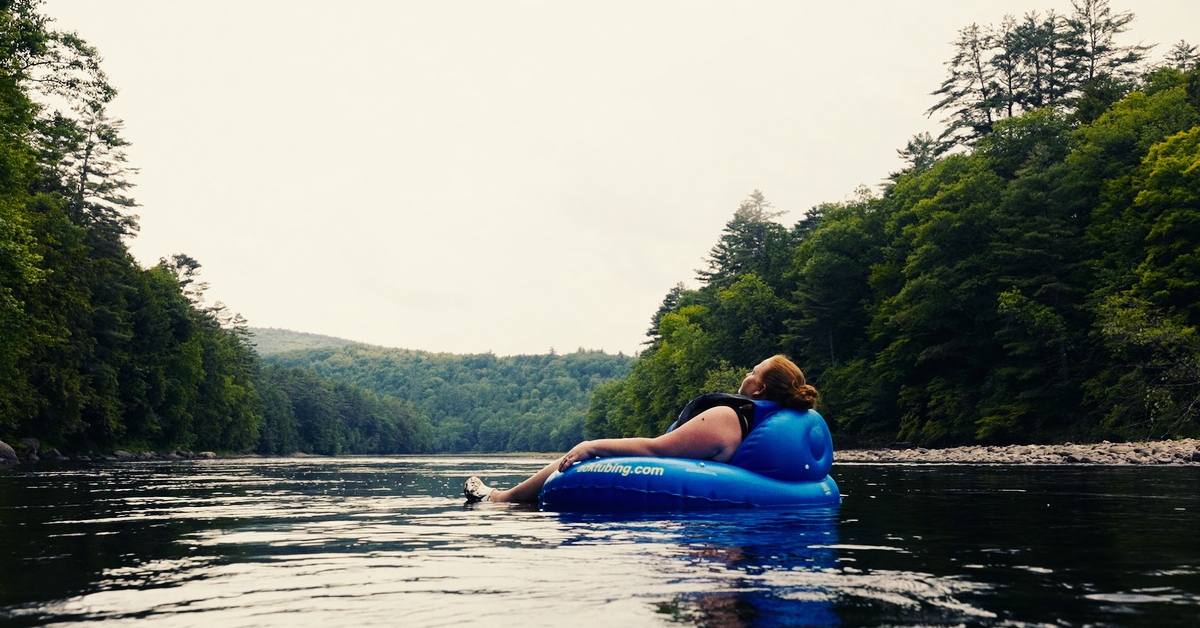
(1094, 52)
(750, 243)
(918, 154)
(670, 303)
(1041, 45)
(1007, 62)
(1183, 56)
(968, 92)
(84, 159)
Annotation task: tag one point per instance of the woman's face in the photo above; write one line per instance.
(752, 384)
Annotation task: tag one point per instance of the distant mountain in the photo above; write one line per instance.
(272, 341)
(479, 402)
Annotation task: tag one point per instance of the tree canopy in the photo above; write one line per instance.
(1037, 283)
(1032, 273)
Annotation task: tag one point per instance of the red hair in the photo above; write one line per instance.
(783, 382)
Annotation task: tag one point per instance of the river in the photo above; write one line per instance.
(387, 541)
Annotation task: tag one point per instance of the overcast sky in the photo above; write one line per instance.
(505, 176)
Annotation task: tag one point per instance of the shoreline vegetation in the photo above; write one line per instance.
(1029, 275)
(1138, 453)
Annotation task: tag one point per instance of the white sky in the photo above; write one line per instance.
(506, 176)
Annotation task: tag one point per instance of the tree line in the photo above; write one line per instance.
(479, 402)
(98, 352)
(1031, 275)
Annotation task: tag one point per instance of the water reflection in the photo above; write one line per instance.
(384, 541)
(724, 561)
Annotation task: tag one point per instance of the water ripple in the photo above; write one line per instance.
(386, 541)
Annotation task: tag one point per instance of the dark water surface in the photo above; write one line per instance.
(386, 541)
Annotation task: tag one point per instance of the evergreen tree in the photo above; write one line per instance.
(968, 94)
(1183, 56)
(918, 154)
(1151, 386)
(1167, 203)
(1094, 52)
(1044, 59)
(832, 269)
(750, 243)
(1008, 58)
(670, 302)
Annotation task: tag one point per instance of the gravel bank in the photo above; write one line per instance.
(1186, 451)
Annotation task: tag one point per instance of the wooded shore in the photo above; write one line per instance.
(1183, 451)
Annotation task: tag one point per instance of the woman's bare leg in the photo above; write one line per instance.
(528, 490)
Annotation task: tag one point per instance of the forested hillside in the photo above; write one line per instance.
(1033, 273)
(477, 402)
(97, 352)
(270, 341)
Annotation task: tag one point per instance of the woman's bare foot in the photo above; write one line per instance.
(476, 491)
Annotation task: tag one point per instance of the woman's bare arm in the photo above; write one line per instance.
(712, 435)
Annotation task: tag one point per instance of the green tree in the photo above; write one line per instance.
(1183, 56)
(1043, 47)
(1093, 29)
(918, 154)
(1012, 87)
(967, 96)
(946, 292)
(750, 243)
(1167, 202)
(672, 301)
(834, 298)
(1151, 389)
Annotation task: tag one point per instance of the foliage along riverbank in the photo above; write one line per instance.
(481, 402)
(98, 354)
(1170, 452)
(1032, 275)
(95, 350)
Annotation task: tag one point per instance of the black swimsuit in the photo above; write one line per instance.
(741, 404)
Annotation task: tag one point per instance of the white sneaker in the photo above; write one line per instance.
(476, 491)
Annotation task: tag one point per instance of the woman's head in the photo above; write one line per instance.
(778, 379)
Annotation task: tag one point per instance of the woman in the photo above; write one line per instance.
(713, 434)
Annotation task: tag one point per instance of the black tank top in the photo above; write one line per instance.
(741, 404)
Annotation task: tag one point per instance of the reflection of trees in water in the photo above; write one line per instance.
(726, 554)
(712, 609)
(74, 531)
(94, 545)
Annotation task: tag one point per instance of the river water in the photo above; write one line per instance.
(387, 541)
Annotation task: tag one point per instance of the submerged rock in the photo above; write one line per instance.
(30, 446)
(8, 455)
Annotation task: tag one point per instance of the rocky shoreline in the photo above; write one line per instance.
(1185, 451)
(30, 451)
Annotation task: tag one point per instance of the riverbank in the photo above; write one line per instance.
(30, 451)
(1185, 451)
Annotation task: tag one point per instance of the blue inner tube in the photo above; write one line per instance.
(648, 484)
